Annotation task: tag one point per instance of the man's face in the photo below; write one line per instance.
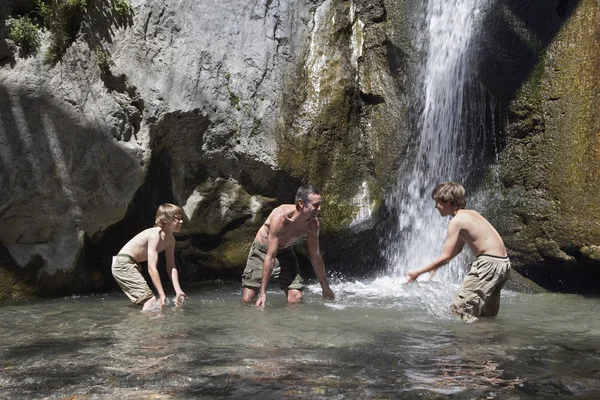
(313, 205)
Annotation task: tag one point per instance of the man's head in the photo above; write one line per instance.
(308, 199)
(168, 213)
(450, 193)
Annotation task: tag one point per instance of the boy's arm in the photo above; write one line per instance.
(174, 273)
(269, 262)
(317, 261)
(452, 246)
(153, 242)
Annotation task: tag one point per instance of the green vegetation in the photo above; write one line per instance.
(25, 34)
(103, 58)
(62, 18)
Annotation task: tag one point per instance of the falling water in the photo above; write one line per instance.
(448, 77)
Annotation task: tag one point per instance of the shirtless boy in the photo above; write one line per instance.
(479, 295)
(145, 246)
(272, 252)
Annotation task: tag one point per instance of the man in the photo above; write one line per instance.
(272, 252)
(479, 295)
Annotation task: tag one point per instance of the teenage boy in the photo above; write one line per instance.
(479, 295)
(145, 246)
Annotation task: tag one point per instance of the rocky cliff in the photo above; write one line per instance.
(223, 108)
(543, 67)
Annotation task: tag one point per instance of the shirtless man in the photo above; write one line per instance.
(479, 295)
(145, 246)
(272, 252)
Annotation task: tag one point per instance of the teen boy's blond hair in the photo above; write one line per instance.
(167, 212)
(450, 192)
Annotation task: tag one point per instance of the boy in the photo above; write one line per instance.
(272, 252)
(479, 295)
(145, 246)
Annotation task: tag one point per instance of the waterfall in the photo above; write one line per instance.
(448, 126)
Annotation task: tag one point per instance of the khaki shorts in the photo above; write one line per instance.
(128, 275)
(479, 295)
(286, 268)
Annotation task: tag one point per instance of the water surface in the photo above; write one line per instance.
(378, 340)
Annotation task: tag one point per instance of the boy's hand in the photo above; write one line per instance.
(413, 275)
(180, 297)
(261, 300)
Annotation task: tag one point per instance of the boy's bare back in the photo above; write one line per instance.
(478, 233)
(137, 247)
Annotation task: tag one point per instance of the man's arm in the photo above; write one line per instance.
(317, 261)
(153, 242)
(269, 263)
(452, 246)
(174, 273)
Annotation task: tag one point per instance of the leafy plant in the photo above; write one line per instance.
(103, 58)
(24, 33)
(62, 18)
(121, 11)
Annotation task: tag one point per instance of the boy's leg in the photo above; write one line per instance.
(128, 275)
(149, 303)
(467, 304)
(479, 296)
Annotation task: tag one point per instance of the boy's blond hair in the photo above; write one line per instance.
(167, 212)
(450, 192)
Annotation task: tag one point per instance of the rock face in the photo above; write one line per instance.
(549, 168)
(224, 109)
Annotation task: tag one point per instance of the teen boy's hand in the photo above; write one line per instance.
(413, 275)
(180, 297)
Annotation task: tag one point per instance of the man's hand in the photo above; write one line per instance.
(413, 275)
(328, 293)
(261, 300)
(180, 297)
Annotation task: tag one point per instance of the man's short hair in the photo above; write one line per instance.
(305, 191)
(167, 212)
(450, 192)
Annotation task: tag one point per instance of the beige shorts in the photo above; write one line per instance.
(286, 269)
(128, 275)
(479, 295)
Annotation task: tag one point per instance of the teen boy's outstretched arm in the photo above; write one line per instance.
(317, 262)
(452, 246)
(153, 242)
(173, 273)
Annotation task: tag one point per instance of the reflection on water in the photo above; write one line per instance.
(379, 339)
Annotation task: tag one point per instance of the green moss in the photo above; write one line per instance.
(12, 288)
(233, 99)
(336, 213)
(553, 153)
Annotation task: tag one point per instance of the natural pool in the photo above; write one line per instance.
(378, 340)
